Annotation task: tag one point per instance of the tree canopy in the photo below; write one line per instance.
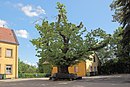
(63, 43)
(113, 49)
(122, 11)
(26, 68)
(122, 15)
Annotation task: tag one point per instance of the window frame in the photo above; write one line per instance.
(91, 68)
(94, 59)
(76, 69)
(11, 72)
(0, 68)
(95, 68)
(6, 53)
(0, 52)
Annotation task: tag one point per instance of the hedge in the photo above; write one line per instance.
(33, 75)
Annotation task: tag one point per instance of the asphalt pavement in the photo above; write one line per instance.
(95, 81)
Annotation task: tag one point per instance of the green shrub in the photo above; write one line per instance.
(33, 75)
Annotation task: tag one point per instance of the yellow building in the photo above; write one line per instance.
(8, 53)
(87, 67)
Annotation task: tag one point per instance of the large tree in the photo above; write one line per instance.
(63, 43)
(122, 15)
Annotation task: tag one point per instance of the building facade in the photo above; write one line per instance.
(8, 53)
(87, 67)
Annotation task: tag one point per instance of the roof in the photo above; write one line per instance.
(8, 36)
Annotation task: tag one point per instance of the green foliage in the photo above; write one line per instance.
(122, 15)
(62, 43)
(110, 67)
(44, 68)
(115, 66)
(108, 53)
(112, 56)
(115, 42)
(25, 68)
(113, 49)
(122, 11)
(33, 75)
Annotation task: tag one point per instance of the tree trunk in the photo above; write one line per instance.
(63, 69)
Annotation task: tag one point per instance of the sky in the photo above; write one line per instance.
(22, 15)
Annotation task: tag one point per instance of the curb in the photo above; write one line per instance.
(24, 79)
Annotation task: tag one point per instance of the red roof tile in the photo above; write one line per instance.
(8, 36)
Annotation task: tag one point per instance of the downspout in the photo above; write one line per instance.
(16, 63)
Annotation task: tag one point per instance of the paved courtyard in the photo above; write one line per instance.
(97, 81)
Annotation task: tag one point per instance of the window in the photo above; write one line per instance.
(8, 52)
(91, 68)
(94, 59)
(0, 52)
(95, 68)
(75, 69)
(0, 68)
(8, 69)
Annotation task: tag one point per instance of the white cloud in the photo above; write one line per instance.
(22, 33)
(3, 23)
(31, 11)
